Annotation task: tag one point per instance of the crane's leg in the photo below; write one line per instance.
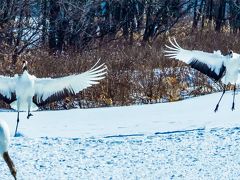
(234, 92)
(29, 115)
(224, 89)
(17, 125)
(18, 108)
(29, 107)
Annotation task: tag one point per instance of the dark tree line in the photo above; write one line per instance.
(217, 14)
(60, 25)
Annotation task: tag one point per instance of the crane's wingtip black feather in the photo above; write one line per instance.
(205, 69)
(53, 98)
(8, 100)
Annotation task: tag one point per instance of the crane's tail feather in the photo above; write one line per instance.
(24, 106)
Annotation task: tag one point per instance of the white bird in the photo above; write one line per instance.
(4, 144)
(214, 65)
(25, 91)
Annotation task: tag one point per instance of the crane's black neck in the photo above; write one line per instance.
(25, 68)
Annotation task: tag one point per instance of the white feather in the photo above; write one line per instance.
(213, 60)
(46, 87)
(26, 86)
(7, 85)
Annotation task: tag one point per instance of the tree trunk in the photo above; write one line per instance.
(44, 20)
(54, 10)
(221, 15)
(210, 13)
(19, 35)
(203, 16)
(195, 21)
(149, 22)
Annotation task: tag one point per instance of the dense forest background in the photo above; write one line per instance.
(62, 37)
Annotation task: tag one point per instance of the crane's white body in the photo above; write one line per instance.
(232, 69)
(4, 143)
(25, 91)
(4, 137)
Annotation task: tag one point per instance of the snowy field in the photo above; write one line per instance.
(180, 140)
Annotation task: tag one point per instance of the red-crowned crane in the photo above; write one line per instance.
(26, 91)
(4, 144)
(214, 65)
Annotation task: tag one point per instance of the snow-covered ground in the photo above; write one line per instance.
(180, 140)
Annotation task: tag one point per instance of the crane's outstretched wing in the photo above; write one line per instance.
(7, 88)
(210, 64)
(52, 89)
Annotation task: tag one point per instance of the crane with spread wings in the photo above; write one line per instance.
(215, 65)
(26, 91)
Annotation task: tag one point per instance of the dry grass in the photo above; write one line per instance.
(136, 73)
